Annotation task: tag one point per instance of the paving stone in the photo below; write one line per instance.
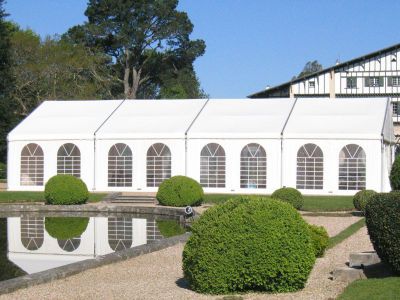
(362, 259)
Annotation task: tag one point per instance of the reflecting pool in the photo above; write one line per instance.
(40, 242)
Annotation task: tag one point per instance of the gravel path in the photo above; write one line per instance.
(158, 275)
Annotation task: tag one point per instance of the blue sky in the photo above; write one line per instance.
(252, 43)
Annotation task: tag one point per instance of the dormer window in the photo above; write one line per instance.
(375, 81)
(394, 81)
(351, 82)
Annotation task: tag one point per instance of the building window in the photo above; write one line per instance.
(32, 232)
(310, 167)
(120, 165)
(69, 160)
(158, 164)
(351, 82)
(394, 81)
(253, 167)
(395, 106)
(352, 168)
(70, 245)
(32, 165)
(311, 84)
(120, 233)
(373, 81)
(212, 166)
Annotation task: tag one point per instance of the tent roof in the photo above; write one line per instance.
(55, 120)
(245, 118)
(355, 118)
(151, 119)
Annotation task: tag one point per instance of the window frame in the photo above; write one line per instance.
(310, 167)
(213, 166)
(253, 167)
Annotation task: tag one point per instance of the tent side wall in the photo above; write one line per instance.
(331, 150)
(50, 149)
(139, 148)
(233, 148)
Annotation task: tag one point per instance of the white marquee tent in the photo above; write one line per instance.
(319, 146)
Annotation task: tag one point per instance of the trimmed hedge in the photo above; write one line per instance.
(180, 191)
(382, 216)
(361, 199)
(249, 244)
(65, 190)
(395, 174)
(320, 239)
(289, 195)
(66, 228)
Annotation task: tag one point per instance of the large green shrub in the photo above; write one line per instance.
(361, 199)
(382, 216)
(65, 190)
(395, 174)
(180, 191)
(320, 239)
(249, 243)
(290, 195)
(65, 228)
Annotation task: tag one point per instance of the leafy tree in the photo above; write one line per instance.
(55, 69)
(145, 38)
(6, 84)
(309, 68)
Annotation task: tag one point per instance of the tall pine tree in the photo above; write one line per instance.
(7, 108)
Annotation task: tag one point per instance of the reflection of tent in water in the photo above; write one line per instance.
(33, 249)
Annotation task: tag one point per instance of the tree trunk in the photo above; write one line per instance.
(135, 82)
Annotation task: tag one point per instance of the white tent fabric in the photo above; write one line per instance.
(137, 119)
(68, 120)
(247, 118)
(340, 119)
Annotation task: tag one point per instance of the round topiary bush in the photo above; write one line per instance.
(65, 228)
(180, 191)
(65, 190)
(383, 222)
(289, 195)
(361, 198)
(249, 243)
(395, 174)
(320, 239)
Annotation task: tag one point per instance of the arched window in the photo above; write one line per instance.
(32, 165)
(153, 233)
(212, 166)
(158, 164)
(119, 233)
(253, 167)
(32, 230)
(70, 245)
(69, 160)
(310, 167)
(352, 168)
(120, 165)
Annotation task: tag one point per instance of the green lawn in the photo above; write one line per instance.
(311, 203)
(353, 228)
(373, 289)
(14, 197)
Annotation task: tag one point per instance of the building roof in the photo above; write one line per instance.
(151, 119)
(355, 118)
(335, 67)
(342, 118)
(64, 120)
(246, 118)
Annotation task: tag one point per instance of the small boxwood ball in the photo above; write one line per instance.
(383, 222)
(361, 199)
(64, 228)
(320, 239)
(249, 244)
(65, 190)
(289, 195)
(180, 191)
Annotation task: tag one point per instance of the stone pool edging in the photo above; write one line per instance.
(25, 281)
(93, 208)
